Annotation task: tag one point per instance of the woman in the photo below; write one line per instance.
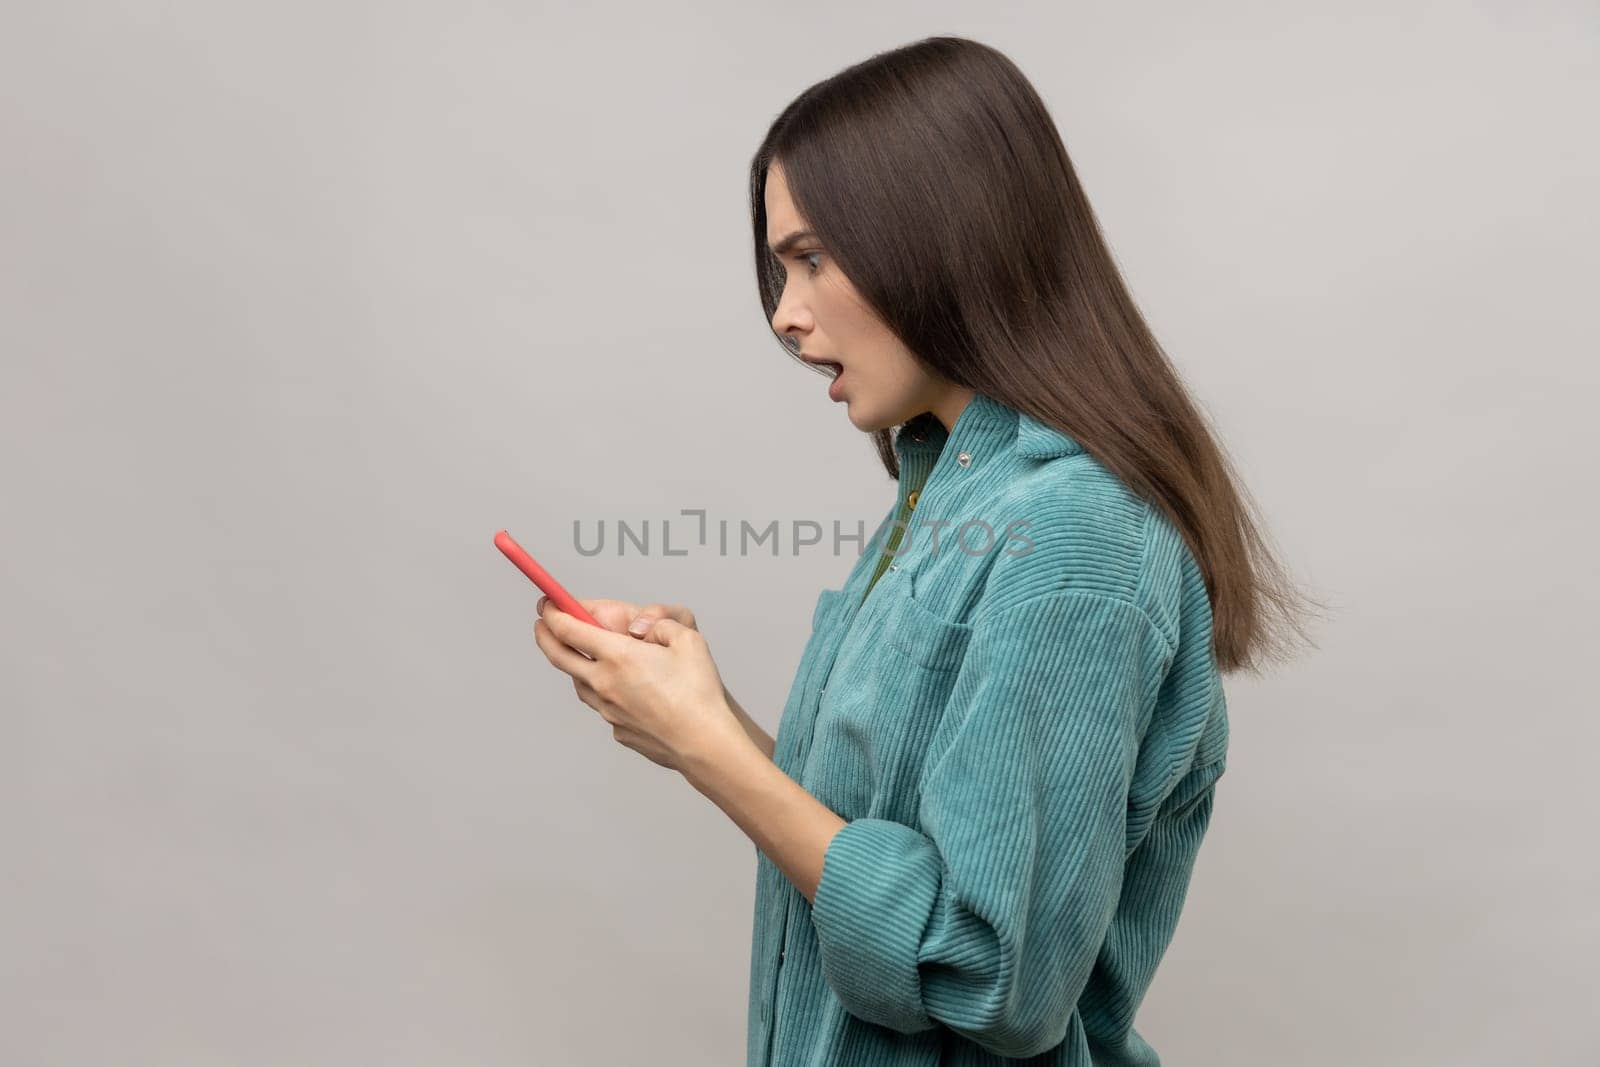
(977, 822)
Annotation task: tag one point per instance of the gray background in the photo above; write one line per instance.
(299, 303)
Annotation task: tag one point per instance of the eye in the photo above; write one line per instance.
(808, 257)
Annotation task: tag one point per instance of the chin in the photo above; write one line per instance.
(863, 420)
(869, 420)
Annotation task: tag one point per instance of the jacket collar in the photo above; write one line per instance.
(983, 425)
(1036, 439)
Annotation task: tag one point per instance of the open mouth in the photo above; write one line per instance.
(835, 368)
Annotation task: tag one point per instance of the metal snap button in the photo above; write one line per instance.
(965, 459)
(911, 501)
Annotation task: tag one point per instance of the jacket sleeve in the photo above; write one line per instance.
(988, 919)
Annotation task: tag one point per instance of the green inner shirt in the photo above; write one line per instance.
(903, 519)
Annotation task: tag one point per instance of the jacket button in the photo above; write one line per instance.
(911, 501)
(965, 459)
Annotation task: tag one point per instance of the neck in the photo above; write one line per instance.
(949, 407)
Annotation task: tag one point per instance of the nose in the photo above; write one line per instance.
(790, 319)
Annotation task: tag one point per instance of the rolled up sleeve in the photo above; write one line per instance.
(988, 916)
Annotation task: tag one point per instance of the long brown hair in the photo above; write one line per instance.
(938, 182)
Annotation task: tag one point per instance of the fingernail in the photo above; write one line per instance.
(639, 626)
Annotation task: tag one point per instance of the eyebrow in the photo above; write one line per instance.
(790, 241)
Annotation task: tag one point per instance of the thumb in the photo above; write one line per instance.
(665, 631)
(641, 623)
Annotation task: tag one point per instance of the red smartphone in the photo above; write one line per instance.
(541, 578)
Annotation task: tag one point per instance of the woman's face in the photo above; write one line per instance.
(881, 383)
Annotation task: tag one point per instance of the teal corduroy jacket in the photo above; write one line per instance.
(1023, 723)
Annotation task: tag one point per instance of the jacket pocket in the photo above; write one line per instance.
(829, 601)
(795, 721)
(927, 639)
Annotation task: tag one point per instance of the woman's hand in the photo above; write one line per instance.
(620, 616)
(660, 691)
